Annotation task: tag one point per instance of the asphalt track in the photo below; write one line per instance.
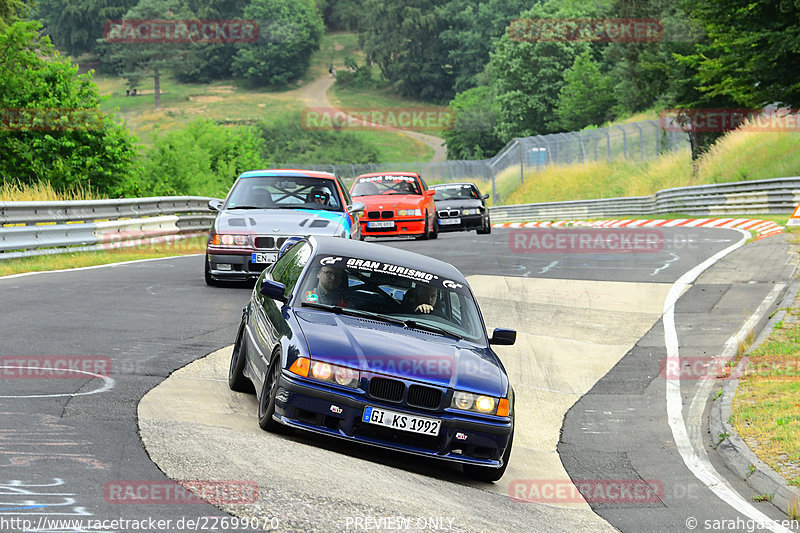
(64, 442)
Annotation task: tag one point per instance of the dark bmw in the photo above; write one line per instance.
(461, 207)
(266, 207)
(379, 346)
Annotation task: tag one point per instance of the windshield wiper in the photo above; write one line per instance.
(316, 305)
(429, 327)
(245, 207)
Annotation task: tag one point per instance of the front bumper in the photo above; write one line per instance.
(321, 409)
(415, 226)
(468, 223)
(234, 265)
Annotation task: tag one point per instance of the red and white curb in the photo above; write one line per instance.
(763, 228)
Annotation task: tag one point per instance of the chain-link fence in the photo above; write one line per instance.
(636, 141)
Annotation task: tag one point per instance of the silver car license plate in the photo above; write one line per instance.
(261, 257)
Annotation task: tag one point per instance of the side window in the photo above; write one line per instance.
(345, 193)
(424, 185)
(288, 268)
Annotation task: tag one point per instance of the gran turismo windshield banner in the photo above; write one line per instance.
(380, 267)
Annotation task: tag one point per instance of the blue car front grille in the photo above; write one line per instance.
(393, 390)
(424, 397)
(390, 390)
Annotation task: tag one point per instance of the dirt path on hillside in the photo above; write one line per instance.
(315, 94)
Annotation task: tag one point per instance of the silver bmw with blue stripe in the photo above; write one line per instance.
(264, 208)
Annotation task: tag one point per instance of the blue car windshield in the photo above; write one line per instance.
(277, 192)
(402, 294)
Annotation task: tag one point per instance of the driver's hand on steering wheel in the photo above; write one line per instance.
(424, 308)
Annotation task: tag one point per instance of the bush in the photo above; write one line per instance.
(202, 159)
(288, 142)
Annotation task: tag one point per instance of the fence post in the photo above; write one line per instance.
(641, 141)
(521, 161)
(624, 141)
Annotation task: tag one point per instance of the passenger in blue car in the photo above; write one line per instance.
(329, 289)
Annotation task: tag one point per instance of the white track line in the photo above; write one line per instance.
(701, 468)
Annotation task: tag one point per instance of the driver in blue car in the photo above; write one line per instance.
(330, 287)
(421, 299)
(318, 196)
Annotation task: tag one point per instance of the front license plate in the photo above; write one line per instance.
(449, 221)
(381, 224)
(259, 257)
(401, 421)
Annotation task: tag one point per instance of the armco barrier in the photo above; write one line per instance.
(37, 228)
(757, 197)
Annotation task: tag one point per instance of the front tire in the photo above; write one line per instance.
(426, 232)
(266, 403)
(487, 473)
(237, 381)
(435, 232)
(486, 229)
(210, 281)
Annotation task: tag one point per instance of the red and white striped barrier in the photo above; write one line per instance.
(763, 228)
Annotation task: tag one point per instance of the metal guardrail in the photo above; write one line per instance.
(38, 228)
(757, 197)
(41, 228)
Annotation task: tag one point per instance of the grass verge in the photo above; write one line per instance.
(43, 263)
(766, 407)
(736, 157)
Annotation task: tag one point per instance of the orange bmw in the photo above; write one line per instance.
(396, 203)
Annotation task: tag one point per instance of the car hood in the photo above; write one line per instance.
(458, 203)
(282, 221)
(389, 201)
(392, 350)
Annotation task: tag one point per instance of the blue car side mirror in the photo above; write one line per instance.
(502, 336)
(273, 290)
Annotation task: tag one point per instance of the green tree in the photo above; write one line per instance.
(51, 128)
(289, 32)
(204, 62)
(341, 14)
(471, 29)
(137, 60)
(752, 55)
(526, 76)
(473, 134)
(11, 11)
(586, 98)
(403, 37)
(76, 25)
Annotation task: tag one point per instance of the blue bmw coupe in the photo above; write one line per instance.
(379, 346)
